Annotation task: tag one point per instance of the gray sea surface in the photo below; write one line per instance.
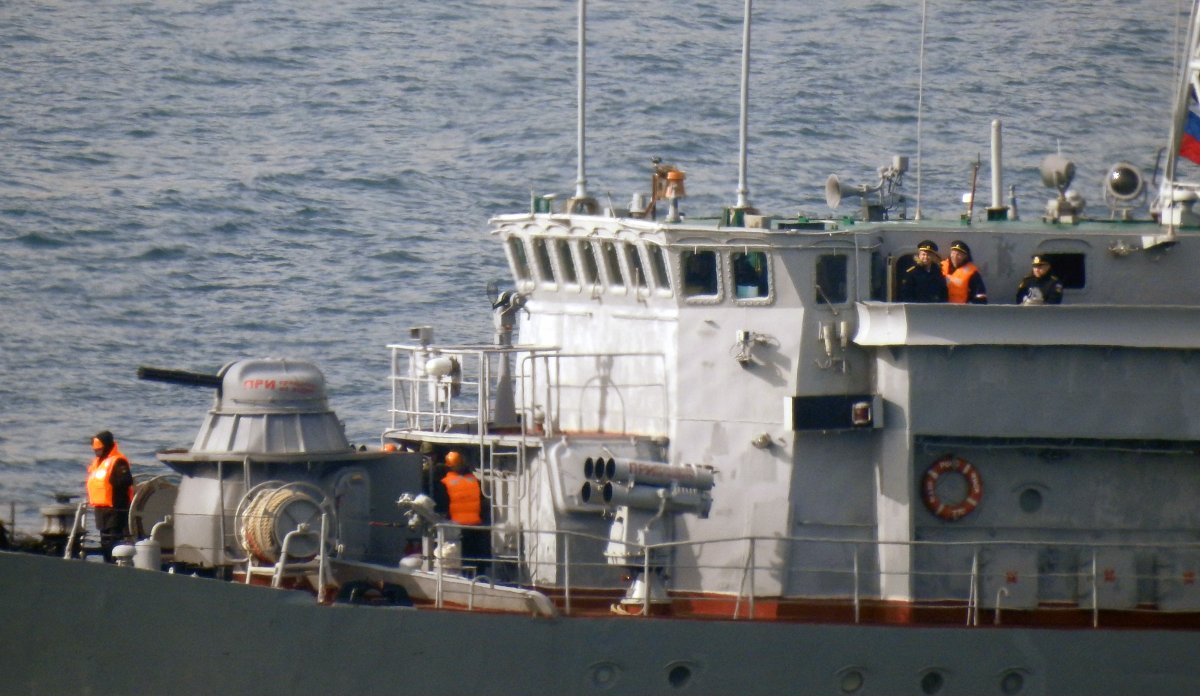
(183, 184)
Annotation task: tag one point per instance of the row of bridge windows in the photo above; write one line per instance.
(699, 274)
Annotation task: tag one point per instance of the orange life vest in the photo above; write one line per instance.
(958, 281)
(99, 489)
(465, 498)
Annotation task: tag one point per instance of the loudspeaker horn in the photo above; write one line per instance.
(835, 191)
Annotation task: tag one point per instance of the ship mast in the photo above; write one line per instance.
(743, 192)
(1176, 198)
(581, 201)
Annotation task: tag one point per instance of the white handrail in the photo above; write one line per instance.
(585, 577)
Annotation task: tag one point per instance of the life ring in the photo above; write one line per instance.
(964, 507)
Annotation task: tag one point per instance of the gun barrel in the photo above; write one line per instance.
(184, 377)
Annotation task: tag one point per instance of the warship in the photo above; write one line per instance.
(717, 454)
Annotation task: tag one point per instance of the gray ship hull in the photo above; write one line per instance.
(89, 628)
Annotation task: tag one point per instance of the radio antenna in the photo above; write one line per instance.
(581, 201)
(743, 192)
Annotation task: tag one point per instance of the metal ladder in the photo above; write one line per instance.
(505, 487)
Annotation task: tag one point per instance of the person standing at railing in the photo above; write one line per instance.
(459, 497)
(109, 491)
(964, 283)
(1040, 286)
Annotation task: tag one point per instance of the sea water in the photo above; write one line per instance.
(183, 184)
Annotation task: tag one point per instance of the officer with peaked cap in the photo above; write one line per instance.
(1040, 286)
(964, 282)
(923, 281)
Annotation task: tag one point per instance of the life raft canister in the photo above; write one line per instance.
(964, 507)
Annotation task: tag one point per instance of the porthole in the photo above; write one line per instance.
(1030, 500)
(1012, 683)
(851, 681)
(932, 682)
(679, 676)
(604, 675)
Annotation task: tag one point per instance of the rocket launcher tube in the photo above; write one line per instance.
(658, 474)
(657, 498)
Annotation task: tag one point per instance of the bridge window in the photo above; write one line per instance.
(879, 277)
(750, 275)
(566, 265)
(831, 279)
(699, 273)
(634, 259)
(612, 264)
(587, 254)
(542, 255)
(520, 262)
(658, 263)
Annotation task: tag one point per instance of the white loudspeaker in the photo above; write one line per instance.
(835, 191)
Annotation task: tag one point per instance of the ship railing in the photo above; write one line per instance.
(455, 392)
(967, 576)
(619, 393)
(963, 579)
(450, 389)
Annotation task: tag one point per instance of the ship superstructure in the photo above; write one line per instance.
(776, 356)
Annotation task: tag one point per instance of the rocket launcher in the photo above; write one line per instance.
(652, 486)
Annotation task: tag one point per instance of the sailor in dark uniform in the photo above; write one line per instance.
(1040, 286)
(923, 281)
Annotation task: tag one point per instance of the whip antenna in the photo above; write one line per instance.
(581, 201)
(920, 105)
(743, 192)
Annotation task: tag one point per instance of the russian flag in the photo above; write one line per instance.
(1190, 147)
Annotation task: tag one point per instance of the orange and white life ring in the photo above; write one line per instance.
(964, 507)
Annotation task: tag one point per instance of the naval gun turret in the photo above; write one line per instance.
(272, 464)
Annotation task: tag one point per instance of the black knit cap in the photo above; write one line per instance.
(105, 437)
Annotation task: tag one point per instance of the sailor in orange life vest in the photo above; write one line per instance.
(109, 491)
(459, 497)
(964, 282)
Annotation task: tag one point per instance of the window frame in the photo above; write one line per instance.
(679, 262)
(768, 257)
(614, 275)
(637, 268)
(519, 265)
(591, 274)
(542, 255)
(659, 265)
(564, 256)
(845, 294)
